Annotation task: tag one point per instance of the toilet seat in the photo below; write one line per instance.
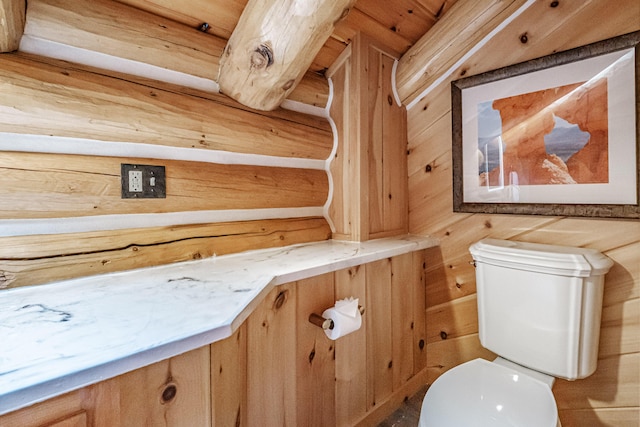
(480, 393)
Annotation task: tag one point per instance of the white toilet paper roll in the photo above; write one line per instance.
(343, 324)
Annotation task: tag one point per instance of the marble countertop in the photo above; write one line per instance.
(59, 337)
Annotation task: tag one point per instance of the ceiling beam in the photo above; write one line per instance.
(12, 16)
(273, 45)
(458, 31)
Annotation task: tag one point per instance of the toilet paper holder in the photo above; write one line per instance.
(320, 321)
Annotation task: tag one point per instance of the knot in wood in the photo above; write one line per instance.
(169, 393)
(343, 15)
(288, 84)
(280, 300)
(262, 57)
(6, 278)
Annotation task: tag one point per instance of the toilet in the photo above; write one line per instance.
(539, 309)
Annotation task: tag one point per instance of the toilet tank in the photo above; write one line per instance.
(540, 305)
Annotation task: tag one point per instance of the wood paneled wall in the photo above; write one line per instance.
(279, 369)
(369, 168)
(610, 397)
(64, 131)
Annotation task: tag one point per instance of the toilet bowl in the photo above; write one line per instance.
(480, 393)
(539, 306)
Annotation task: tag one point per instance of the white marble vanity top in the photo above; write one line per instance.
(61, 336)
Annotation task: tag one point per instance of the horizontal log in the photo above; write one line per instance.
(114, 29)
(313, 90)
(46, 99)
(32, 260)
(273, 45)
(56, 186)
(12, 17)
(288, 115)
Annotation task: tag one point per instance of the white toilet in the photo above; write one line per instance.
(539, 309)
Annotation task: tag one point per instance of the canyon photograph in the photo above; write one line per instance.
(553, 136)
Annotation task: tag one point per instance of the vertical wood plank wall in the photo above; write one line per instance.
(612, 395)
(64, 131)
(369, 168)
(296, 376)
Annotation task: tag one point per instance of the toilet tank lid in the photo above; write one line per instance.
(552, 259)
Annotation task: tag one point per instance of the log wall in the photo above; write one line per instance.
(612, 395)
(236, 179)
(118, 36)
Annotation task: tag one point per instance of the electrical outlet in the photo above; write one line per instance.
(135, 181)
(142, 181)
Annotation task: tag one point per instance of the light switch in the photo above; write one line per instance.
(143, 181)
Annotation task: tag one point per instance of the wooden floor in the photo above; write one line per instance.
(408, 414)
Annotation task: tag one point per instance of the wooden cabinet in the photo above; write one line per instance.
(295, 375)
(369, 169)
(91, 406)
(173, 392)
(277, 368)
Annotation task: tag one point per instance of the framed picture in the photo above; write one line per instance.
(556, 135)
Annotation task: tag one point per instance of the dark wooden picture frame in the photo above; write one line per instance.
(615, 165)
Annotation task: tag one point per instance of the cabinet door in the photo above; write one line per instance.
(271, 352)
(90, 406)
(171, 393)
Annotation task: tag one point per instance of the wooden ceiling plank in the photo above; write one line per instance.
(12, 16)
(408, 18)
(436, 8)
(221, 15)
(357, 21)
